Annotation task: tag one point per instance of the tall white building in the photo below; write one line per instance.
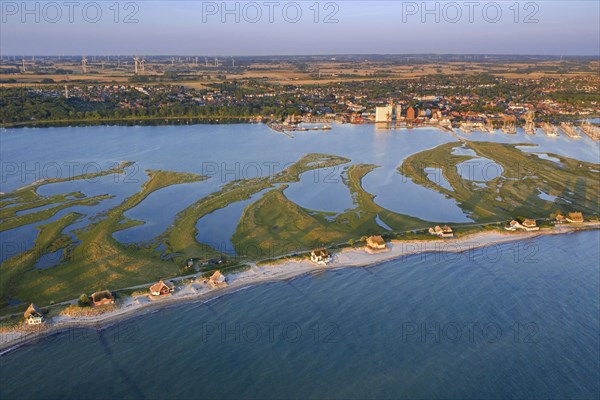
(398, 112)
(384, 114)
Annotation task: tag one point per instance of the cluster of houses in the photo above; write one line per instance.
(442, 231)
(573, 217)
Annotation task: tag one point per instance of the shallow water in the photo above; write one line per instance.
(321, 190)
(228, 152)
(215, 229)
(518, 320)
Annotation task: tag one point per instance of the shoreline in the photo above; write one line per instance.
(201, 291)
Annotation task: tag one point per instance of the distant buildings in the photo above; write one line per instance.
(410, 114)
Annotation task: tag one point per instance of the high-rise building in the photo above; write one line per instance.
(398, 111)
(384, 114)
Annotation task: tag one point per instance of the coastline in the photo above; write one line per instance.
(272, 272)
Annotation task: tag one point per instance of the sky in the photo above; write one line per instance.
(73, 27)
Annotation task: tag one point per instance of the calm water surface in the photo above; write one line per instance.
(518, 320)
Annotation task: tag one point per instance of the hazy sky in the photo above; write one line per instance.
(267, 27)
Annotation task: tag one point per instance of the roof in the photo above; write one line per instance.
(217, 277)
(376, 239)
(159, 285)
(575, 215)
(33, 310)
(320, 252)
(104, 294)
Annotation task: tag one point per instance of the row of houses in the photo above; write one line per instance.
(34, 315)
(531, 225)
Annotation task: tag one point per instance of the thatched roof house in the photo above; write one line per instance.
(161, 288)
(33, 315)
(513, 226)
(218, 279)
(376, 243)
(576, 217)
(102, 298)
(530, 225)
(442, 231)
(320, 256)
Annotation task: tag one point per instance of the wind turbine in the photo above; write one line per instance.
(143, 64)
(136, 62)
(232, 62)
(66, 88)
(84, 64)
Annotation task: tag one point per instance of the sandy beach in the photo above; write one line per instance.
(201, 290)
